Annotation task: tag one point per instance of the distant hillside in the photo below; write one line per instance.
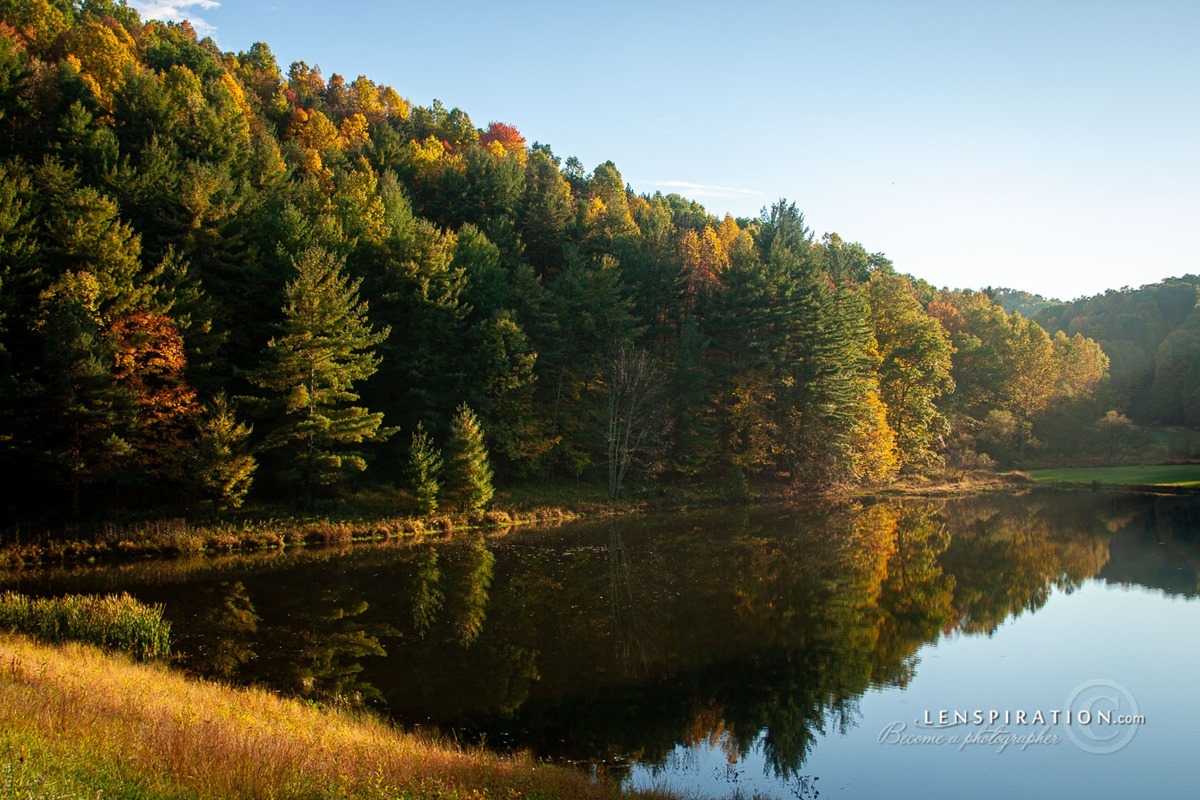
(1015, 301)
(1152, 338)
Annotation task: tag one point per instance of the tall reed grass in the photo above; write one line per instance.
(116, 622)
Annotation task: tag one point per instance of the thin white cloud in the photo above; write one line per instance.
(705, 189)
(178, 11)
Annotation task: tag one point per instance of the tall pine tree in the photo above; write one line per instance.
(324, 347)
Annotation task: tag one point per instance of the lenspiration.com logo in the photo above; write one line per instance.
(1099, 716)
(1102, 716)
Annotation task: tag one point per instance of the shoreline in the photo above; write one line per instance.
(175, 537)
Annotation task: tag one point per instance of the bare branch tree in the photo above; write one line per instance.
(636, 412)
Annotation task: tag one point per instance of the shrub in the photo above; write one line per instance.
(498, 518)
(117, 622)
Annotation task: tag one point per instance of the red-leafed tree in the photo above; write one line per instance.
(506, 135)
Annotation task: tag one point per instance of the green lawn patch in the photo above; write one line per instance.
(1165, 475)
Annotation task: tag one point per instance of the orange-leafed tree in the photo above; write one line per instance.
(354, 132)
(39, 23)
(150, 362)
(391, 103)
(313, 130)
(705, 259)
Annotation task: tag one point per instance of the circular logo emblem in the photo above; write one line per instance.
(1103, 716)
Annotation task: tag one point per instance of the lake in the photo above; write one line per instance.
(1035, 645)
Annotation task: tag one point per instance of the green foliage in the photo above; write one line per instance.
(544, 213)
(588, 315)
(224, 469)
(85, 412)
(176, 221)
(737, 487)
(468, 484)
(116, 622)
(1147, 334)
(1012, 380)
(424, 470)
(325, 346)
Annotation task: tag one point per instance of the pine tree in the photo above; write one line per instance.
(84, 414)
(424, 469)
(224, 468)
(324, 347)
(468, 475)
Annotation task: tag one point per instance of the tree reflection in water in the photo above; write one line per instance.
(223, 640)
(616, 642)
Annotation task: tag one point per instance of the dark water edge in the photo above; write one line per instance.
(747, 636)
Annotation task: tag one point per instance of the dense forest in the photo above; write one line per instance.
(218, 276)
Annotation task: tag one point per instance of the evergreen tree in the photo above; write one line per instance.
(591, 315)
(324, 347)
(85, 414)
(544, 213)
(837, 426)
(468, 476)
(416, 290)
(224, 468)
(424, 469)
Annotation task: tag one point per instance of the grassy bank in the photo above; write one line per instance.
(1166, 477)
(969, 483)
(371, 517)
(364, 517)
(247, 534)
(76, 722)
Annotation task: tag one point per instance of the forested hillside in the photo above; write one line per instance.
(1152, 338)
(218, 274)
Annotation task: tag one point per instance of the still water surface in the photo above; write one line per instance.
(788, 652)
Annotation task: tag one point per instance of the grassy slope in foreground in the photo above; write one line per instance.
(1177, 476)
(76, 722)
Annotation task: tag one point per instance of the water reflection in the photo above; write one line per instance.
(321, 648)
(617, 642)
(222, 642)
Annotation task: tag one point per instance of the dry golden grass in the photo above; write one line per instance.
(179, 537)
(98, 720)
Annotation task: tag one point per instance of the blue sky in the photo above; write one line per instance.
(1047, 146)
